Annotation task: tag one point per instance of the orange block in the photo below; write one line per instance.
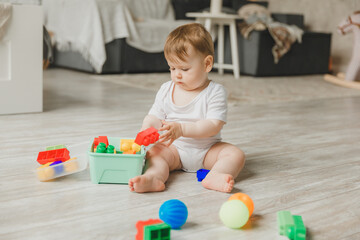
(140, 227)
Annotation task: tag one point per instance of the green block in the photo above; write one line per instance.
(291, 226)
(110, 149)
(284, 221)
(55, 147)
(159, 231)
(298, 231)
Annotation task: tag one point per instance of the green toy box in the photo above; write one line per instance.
(115, 168)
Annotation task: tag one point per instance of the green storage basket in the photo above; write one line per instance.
(115, 168)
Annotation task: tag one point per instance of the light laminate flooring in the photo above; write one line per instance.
(302, 156)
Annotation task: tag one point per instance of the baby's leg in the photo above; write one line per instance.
(161, 159)
(225, 161)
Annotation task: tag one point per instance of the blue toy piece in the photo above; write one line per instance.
(58, 169)
(201, 174)
(173, 212)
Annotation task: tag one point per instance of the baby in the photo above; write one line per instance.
(191, 110)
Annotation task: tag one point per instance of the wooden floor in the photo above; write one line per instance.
(302, 156)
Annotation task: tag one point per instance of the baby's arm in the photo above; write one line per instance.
(151, 121)
(200, 129)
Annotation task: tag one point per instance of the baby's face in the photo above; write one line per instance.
(190, 74)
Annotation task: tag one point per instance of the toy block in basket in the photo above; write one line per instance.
(58, 161)
(121, 160)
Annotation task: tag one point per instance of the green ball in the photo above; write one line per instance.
(234, 214)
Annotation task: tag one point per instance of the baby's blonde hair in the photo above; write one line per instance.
(192, 34)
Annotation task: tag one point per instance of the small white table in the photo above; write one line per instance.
(221, 19)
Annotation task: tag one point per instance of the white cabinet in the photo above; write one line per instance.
(21, 76)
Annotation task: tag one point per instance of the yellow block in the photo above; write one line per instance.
(136, 147)
(129, 145)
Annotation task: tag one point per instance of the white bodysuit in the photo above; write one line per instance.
(210, 103)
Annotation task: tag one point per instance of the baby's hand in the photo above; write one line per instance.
(173, 132)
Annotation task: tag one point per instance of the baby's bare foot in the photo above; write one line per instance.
(218, 181)
(146, 184)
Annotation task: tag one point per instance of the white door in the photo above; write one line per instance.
(21, 80)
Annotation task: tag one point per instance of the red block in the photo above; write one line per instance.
(53, 155)
(147, 136)
(104, 139)
(140, 227)
(96, 142)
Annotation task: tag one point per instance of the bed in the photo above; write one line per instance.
(110, 36)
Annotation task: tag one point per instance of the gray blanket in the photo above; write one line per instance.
(86, 26)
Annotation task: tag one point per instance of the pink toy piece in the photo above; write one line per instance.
(352, 24)
(147, 136)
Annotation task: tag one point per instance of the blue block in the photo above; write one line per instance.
(201, 174)
(58, 169)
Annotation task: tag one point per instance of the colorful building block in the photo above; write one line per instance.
(129, 152)
(159, 231)
(201, 174)
(96, 142)
(291, 226)
(127, 145)
(58, 169)
(140, 225)
(110, 149)
(53, 155)
(147, 136)
(104, 139)
(55, 147)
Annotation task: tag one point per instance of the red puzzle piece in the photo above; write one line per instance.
(53, 155)
(140, 225)
(147, 136)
